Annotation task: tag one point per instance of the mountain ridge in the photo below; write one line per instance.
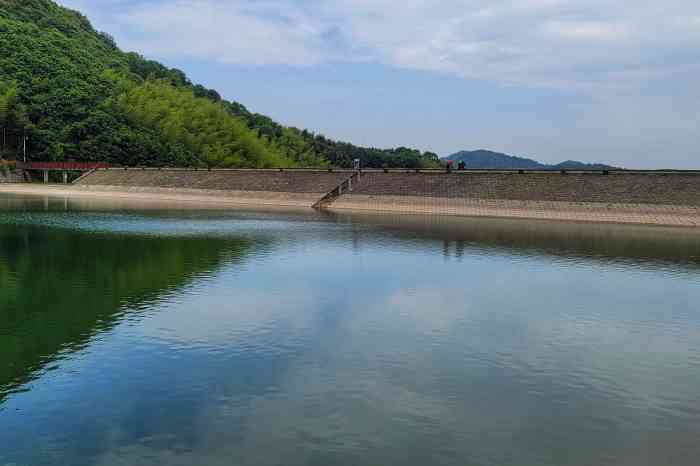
(487, 159)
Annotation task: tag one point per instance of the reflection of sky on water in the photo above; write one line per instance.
(315, 352)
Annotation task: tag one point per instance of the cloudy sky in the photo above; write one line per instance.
(597, 80)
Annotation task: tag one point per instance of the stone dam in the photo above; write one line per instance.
(619, 196)
(292, 188)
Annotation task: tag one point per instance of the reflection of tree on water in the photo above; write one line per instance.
(58, 287)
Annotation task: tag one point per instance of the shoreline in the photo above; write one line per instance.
(587, 212)
(625, 214)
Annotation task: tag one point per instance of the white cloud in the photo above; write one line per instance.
(552, 43)
(586, 31)
(229, 32)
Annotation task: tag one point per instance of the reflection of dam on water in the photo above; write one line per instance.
(592, 242)
(454, 249)
(605, 242)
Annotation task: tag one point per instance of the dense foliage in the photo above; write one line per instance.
(196, 125)
(12, 119)
(75, 95)
(304, 143)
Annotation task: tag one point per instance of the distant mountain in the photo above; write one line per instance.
(576, 165)
(496, 160)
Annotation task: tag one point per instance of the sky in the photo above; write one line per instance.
(614, 81)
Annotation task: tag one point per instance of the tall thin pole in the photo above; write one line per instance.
(24, 148)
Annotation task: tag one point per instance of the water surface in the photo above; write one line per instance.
(151, 334)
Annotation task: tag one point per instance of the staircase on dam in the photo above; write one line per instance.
(346, 186)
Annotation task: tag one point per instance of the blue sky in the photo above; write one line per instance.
(616, 81)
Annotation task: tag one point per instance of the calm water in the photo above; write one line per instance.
(140, 335)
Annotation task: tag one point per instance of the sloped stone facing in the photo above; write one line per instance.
(317, 182)
(676, 189)
(642, 198)
(645, 214)
(199, 196)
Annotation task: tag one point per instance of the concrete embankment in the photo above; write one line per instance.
(661, 198)
(656, 198)
(291, 188)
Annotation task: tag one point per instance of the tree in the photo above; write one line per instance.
(8, 102)
(199, 125)
(78, 96)
(13, 118)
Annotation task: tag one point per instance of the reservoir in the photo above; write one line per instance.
(145, 333)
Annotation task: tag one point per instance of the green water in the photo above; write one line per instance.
(150, 334)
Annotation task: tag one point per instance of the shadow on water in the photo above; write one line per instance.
(59, 288)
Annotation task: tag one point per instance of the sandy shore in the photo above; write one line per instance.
(639, 214)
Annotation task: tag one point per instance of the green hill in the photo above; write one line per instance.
(483, 159)
(75, 95)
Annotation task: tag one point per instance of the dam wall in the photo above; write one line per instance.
(668, 198)
(589, 187)
(298, 188)
(665, 198)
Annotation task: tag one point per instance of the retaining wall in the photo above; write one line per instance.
(619, 197)
(237, 180)
(666, 198)
(617, 187)
(250, 187)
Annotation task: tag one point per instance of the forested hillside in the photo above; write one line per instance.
(75, 95)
